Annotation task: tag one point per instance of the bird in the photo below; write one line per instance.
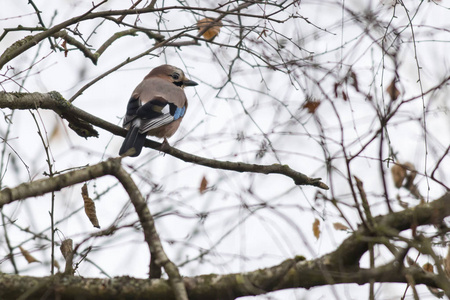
(156, 107)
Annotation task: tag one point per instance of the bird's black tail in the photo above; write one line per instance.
(134, 139)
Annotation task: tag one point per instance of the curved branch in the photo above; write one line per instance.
(46, 185)
(77, 117)
(94, 56)
(114, 168)
(158, 256)
(299, 178)
(351, 250)
(292, 273)
(340, 266)
(30, 41)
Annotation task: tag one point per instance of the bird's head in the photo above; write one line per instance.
(172, 74)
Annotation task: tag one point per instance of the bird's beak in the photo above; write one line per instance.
(189, 82)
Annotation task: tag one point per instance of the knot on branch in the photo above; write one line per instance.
(80, 126)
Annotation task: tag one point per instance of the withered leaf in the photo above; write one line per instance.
(398, 175)
(340, 226)
(56, 132)
(428, 267)
(316, 228)
(392, 90)
(64, 45)
(263, 32)
(56, 264)
(30, 258)
(212, 31)
(411, 174)
(336, 86)
(66, 248)
(311, 105)
(89, 206)
(436, 292)
(203, 185)
(354, 81)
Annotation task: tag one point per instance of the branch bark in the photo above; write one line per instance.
(340, 266)
(30, 41)
(81, 121)
(292, 273)
(109, 167)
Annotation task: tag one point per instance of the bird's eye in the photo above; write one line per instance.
(176, 76)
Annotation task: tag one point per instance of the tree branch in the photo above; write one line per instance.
(82, 121)
(292, 273)
(158, 256)
(94, 56)
(30, 41)
(109, 167)
(340, 266)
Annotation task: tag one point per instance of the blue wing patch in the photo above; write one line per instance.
(179, 112)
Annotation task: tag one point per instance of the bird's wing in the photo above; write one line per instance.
(156, 102)
(155, 114)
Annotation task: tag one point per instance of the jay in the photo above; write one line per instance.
(156, 107)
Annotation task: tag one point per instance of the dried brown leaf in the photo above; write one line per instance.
(203, 185)
(336, 86)
(56, 133)
(64, 45)
(398, 175)
(428, 267)
(56, 264)
(30, 258)
(316, 228)
(392, 90)
(89, 207)
(354, 80)
(66, 248)
(410, 174)
(67, 251)
(263, 32)
(212, 31)
(340, 226)
(311, 105)
(436, 292)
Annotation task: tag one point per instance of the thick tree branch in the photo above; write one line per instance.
(292, 273)
(158, 256)
(81, 122)
(340, 266)
(109, 167)
(350, 251)
(46, 185)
